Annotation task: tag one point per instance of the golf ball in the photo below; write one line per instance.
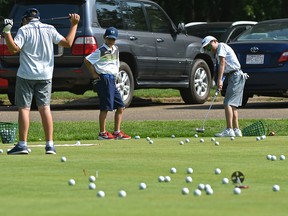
(167, 179)
(189, 170)
(197, 192)
(137, 137)
(63, 159)
(78, 143)
(237, 190)
(225, 181)
(273, 158)
(276, 188)
(212, 139)
(201, 140)
(217, 143)
(142, 186)
(209, 191)
(101, 194)
(172, 136)
(92, 186)
(263, 137)
(269, 157)
(1, 151)
(92, 178)
(217, 171)
(147, 138)
(201, 186)
(29, 150)
(188, 179)
(232, 138)
(151, 142)
(181, 143)
(122, 193)
(185, 191)
(161, 178)
(282, 157)
(196, 135)
(71, 182)
(187, 140)
(258, 138)
(173, 170)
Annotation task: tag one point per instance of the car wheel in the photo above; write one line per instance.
(125, 83)
(199, 84)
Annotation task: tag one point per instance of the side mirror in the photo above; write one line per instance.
(181, 27)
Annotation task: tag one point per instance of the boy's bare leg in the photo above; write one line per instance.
(118, 119)
(23, 122)
(229, 116)
(47, 121)
(102, 120)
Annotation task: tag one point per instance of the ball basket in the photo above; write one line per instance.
(258, 128)
(8, 132)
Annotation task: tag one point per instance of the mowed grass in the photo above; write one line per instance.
(37, 184)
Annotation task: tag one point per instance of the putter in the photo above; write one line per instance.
(202, 129)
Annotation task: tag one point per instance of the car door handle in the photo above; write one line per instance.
(159, 40)
(133, 38)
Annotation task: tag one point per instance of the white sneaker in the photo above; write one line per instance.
(226, 133)
(237, 132)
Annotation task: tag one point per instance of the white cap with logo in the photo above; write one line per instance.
(206, 41)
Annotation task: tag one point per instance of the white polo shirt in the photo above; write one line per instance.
(37, 53)
(232, 63)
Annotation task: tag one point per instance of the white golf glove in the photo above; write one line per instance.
(245, 75)
(8, 24)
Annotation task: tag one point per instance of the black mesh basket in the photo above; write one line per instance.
(258, 128)
(8, 132)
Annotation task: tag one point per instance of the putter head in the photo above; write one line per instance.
(200, 130)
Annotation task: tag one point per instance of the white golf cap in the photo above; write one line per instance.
(206, 41)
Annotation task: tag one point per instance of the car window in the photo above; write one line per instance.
(266, 31)
(158, 20)
(122, 15)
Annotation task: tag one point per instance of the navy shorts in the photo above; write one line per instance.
(109, 96)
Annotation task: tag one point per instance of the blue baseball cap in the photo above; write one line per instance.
(111, 32)
(31, 12)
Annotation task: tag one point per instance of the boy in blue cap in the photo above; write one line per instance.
(104, 65)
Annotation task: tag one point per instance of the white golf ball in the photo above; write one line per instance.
(258, 138)
(273, 158)
(263, 137)
(282, 157)
(187, 140)
(29, 150)
(142, 186)
(147, 138)
(137, 137)
(122, 193)
(173, 170)
(188, 179)
(185, 191)
(172, 136)
(101, 194)
(167, 179)
(1, 151)
(92, 178)
(201, 140)
(269, 157)
(217, 171)
(161, 178)
(78, 143)
(225, 181)
(151, 142)
(63, 159)
(92, 186)
(181, 143)
(237, 190)
(209, 191)
(71, 182)
(276, 188)
(196, 135)
(201, 186)
(189, 170)
(207, 186)
(232, 138)
(197, 192)
(212, 139)
(217, 143)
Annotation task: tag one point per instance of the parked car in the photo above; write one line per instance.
(223, 31)
(263, 54)
(154, 53)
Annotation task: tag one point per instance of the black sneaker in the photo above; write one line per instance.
(50, 150)
(17, 149)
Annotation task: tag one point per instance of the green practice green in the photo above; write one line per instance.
(37, 184)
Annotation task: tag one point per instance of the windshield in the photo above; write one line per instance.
(266, 31)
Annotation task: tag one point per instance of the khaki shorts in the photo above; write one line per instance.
(27, 89)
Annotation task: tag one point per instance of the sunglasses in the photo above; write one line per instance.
(208, 47)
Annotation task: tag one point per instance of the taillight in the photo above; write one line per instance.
(4, 48)
(84, 46)
(283, 57)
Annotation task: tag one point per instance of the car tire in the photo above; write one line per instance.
(125, 83)
(199, 84)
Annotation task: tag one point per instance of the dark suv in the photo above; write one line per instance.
(154, 53)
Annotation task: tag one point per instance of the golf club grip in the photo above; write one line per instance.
(217, 91)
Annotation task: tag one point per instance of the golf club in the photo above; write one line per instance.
(202, 129)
